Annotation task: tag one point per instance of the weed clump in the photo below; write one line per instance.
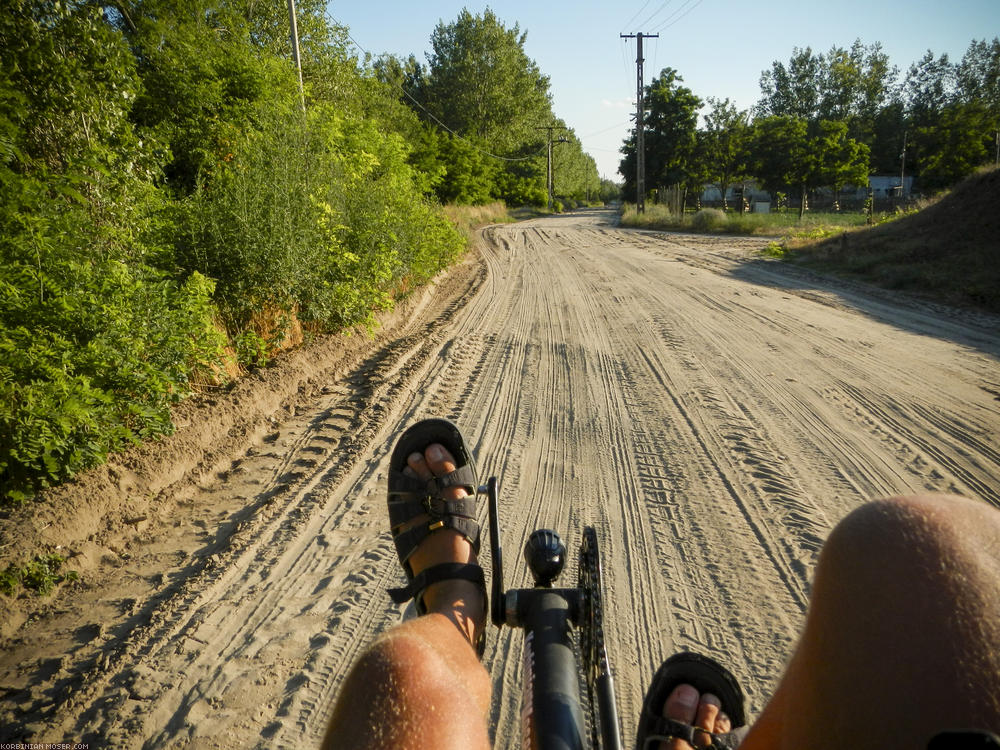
(709, 220)
(40, 576)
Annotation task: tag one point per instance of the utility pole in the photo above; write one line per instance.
(548, 179)
(640, 146)
(295, 51)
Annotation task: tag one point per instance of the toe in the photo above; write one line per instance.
(439, 459)
(722, 723)
(707, 716)
(418, 465)
(681, 705)
(686, 705)
(439, 462)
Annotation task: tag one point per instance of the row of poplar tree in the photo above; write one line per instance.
(829, 120)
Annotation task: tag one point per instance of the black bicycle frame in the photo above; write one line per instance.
(551, 713)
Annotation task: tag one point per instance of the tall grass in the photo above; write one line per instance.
(467, 219)
(715, 221)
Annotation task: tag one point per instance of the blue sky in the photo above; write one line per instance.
(719, 47)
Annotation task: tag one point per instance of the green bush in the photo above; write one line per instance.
(161, 176)
(709, 220)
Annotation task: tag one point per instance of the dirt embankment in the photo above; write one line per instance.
(949, 250)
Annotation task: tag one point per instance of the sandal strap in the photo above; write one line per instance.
(663, 729)
(401, 511)
(408, 541)
(411, 497)
(437, 574)
(405, 485)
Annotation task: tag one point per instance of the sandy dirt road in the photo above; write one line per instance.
(711, 413)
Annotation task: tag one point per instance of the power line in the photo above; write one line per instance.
(591, 135)
(644, 6)
(679, 14)
(426, 111)
(649, 21)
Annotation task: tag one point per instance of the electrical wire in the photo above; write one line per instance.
(639, 13)
(659, 10)
(591, 135)
(440, 124)
(679, 14)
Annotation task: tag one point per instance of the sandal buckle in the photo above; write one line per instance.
(436, 525)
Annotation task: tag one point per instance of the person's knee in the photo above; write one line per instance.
(428, 657)
(908, 574)
(905, 613)
(910, 535)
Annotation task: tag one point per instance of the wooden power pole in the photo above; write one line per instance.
(640, 146)
(548, 177)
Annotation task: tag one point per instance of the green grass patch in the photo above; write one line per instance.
(39, 576)
(814, 225)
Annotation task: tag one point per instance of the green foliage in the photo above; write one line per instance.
(488, 103)
(781, 155)
(40, 575)
(775, 249)
(158, 176)
(709, 220)
(814, 225)
(481, 83)
(723, 144)
(670, 135)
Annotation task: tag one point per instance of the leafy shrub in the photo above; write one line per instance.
(158, 182)
(91, 357)
(709, 220)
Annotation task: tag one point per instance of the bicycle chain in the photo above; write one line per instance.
(594, 655)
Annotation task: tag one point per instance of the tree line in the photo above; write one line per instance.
(173, 209)
(828, 120)
(485, 117)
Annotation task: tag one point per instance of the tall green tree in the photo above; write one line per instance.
(978, 74)
(723, 144)
(671, 123)
(839, 159)
(481, 83)
(793, 90)
(781, 157)
(959, 140)
(855, 85)
(929, 87)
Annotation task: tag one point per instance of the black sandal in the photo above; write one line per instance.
(706, 676)
(412, 497)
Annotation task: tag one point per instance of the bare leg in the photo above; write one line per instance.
(420, 685)
(902, 639)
